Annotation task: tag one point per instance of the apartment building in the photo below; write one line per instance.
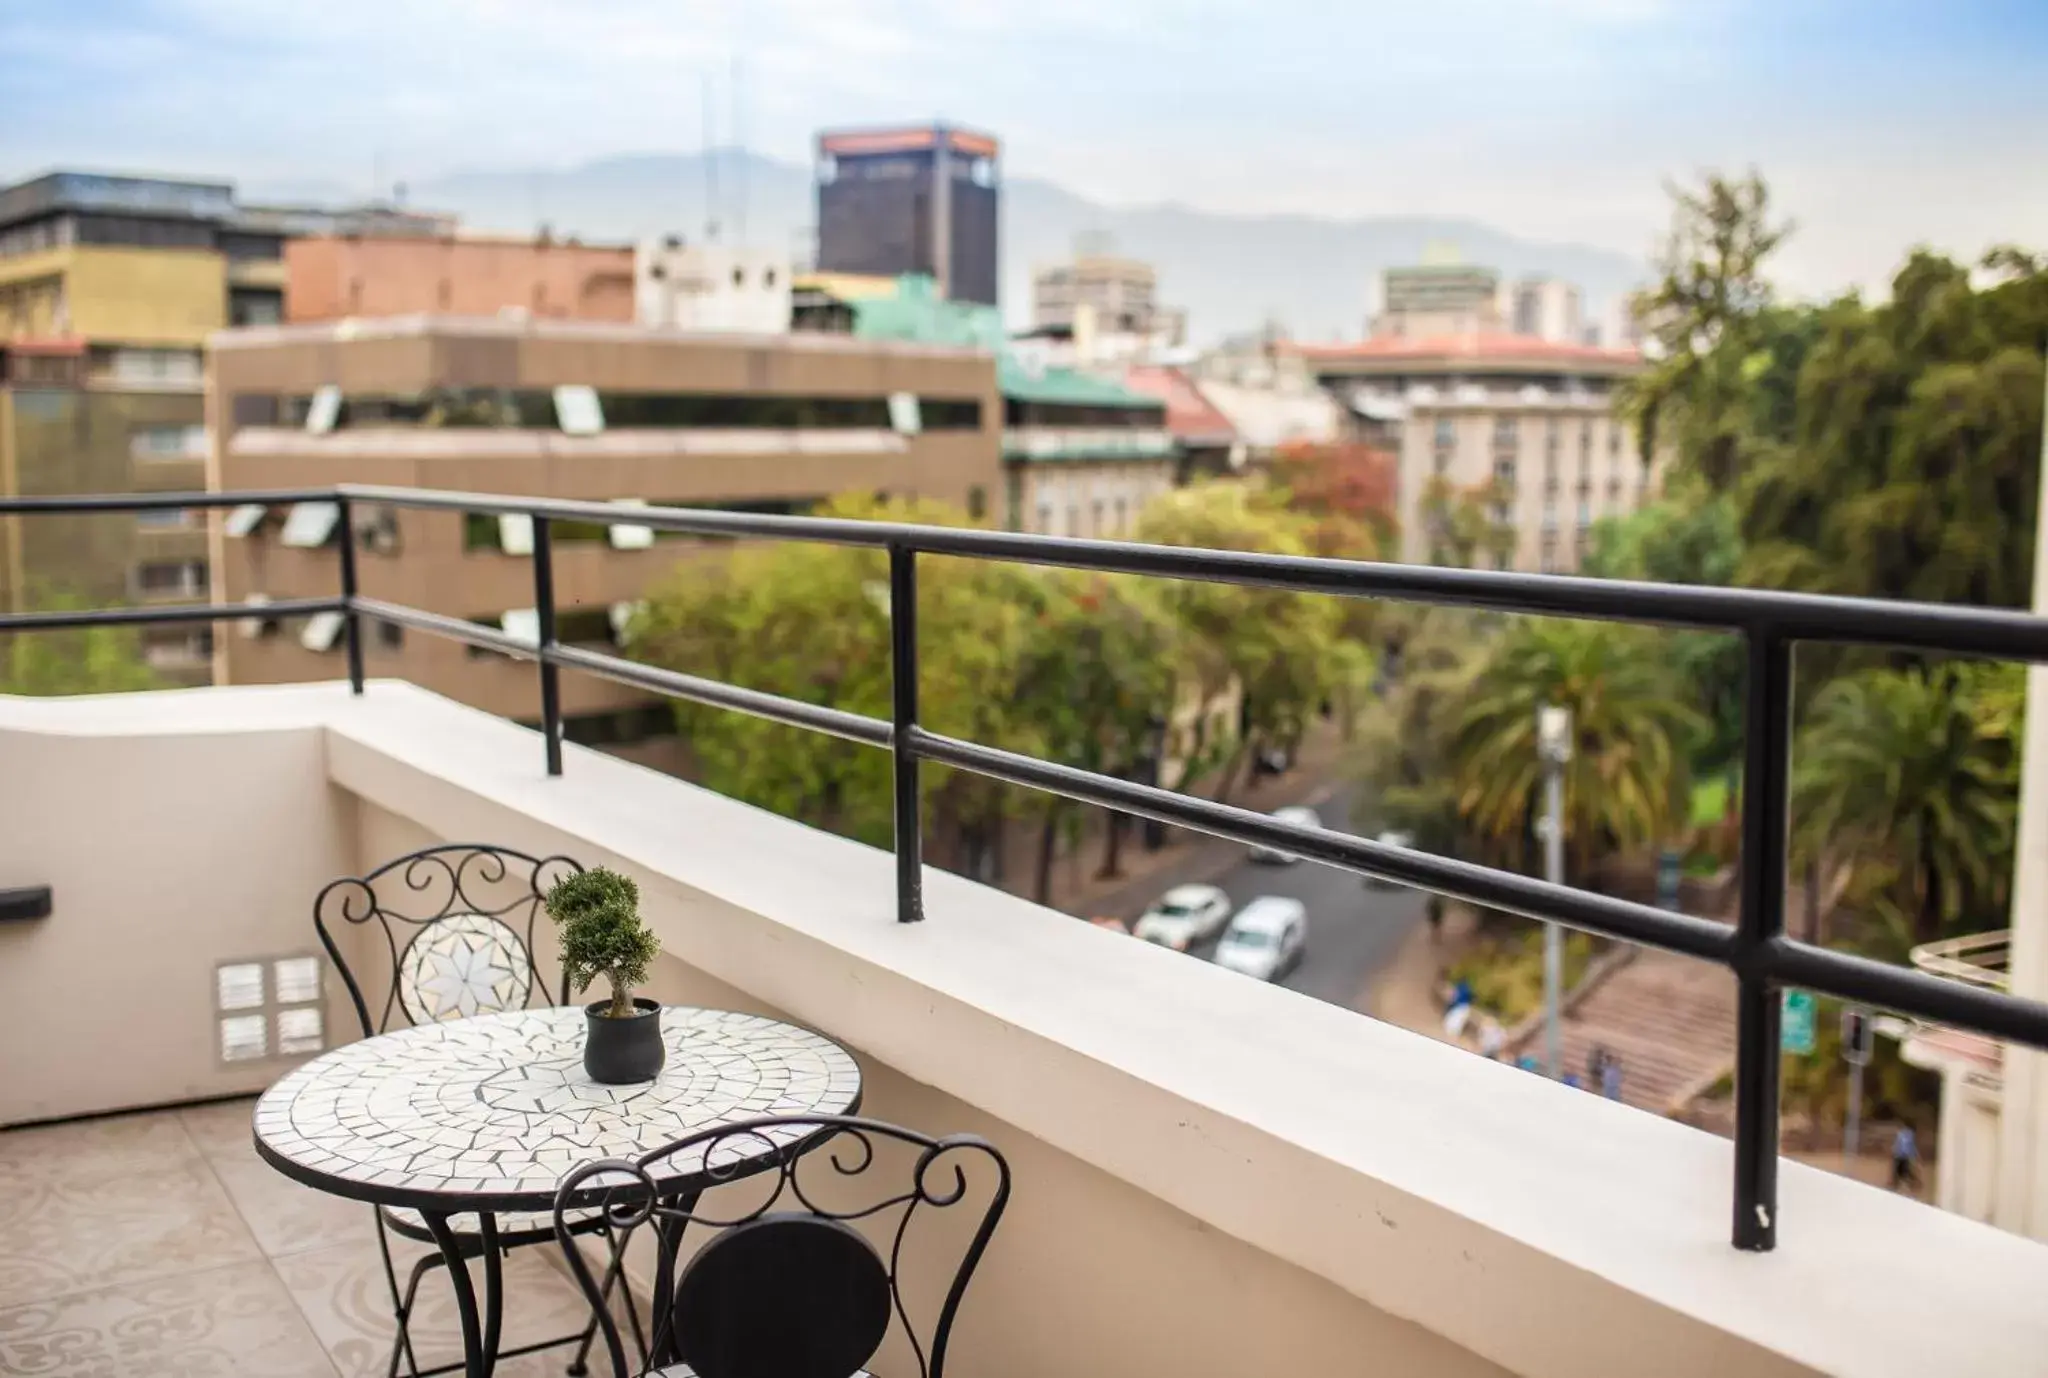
(1082, 454)
(328, 277)
(712, 287)
(1547, 308)
(1530, 420)
(1440, 296)
(558, 409)
(109, 289)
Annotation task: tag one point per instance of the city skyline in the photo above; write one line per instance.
(1878, 126)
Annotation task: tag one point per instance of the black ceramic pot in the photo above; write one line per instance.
(621, 1051)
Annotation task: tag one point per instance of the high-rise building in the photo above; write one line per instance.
(1547, 308)
(1439, 296)
(1527, 424)
(895, 201)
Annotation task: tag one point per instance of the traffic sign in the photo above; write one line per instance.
(1797, 1036)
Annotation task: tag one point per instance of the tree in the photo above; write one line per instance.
(1348, 491)
(1914, 774)
(1275, 647)
(1464, 524)
(1627, 771)
(1703, 315)
(1404, 753)
(83, 660)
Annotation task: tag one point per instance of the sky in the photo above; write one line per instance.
(1880, 124)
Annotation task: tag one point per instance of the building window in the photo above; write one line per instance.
(390, 636)
(1122, 518)
(270, 1007)
(171, 578)
(1044, 526)
(1585, 513)
(163, 444)
(1446, 433)
(1613, 440)
(1504, 470)
(1549, 552)
(179, 649)
(951, 413)
(153, 367)
(1073, 519)
(165, 519)
(1506, 433)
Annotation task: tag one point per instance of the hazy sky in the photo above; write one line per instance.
(1881, 123)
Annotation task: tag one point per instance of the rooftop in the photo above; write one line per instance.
(1190, 415)
(1487, 348)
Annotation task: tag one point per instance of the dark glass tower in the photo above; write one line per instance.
(894, 201)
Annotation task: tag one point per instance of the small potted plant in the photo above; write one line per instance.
(598, 912)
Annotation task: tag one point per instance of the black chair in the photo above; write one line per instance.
(787, 1287)
(457, 921)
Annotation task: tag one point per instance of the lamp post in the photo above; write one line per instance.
(1554, 747)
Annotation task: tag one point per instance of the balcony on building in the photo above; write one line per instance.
(1213, 1176)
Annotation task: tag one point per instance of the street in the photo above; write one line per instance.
(1353, 929)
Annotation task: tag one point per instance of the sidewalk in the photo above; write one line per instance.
(1187, 857)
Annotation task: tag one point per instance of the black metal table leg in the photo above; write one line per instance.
(479, 1334)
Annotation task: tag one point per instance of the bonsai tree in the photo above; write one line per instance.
(598, 912)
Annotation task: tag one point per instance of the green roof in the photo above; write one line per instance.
(1066, 387)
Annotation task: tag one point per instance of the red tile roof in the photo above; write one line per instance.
(1189, 415)
(1494, 346)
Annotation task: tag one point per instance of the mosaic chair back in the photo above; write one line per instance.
(450, 933)
(790, 1282)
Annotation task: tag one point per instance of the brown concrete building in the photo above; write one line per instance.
(329, 277)
(561, 409)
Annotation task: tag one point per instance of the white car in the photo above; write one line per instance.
(1267, 938)
(1392, 837)
(1184, 916)
(1299, 816)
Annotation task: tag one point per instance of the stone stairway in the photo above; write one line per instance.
(1670, 1019)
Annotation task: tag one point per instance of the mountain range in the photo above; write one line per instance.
(1232, 272)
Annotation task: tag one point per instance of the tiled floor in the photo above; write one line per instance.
(159, 1243)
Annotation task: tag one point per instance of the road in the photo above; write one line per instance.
(1353, 929)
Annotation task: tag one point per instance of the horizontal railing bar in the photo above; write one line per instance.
(774, 707)
(1537, 899)
(1994, 632)
(1908, 991)
(174, 613)
(151, 502)
(455, 628)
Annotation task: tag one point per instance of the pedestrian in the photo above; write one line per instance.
(1596, 1061)
(1491, 1038)
(1905, 1158)
(1610, 1077)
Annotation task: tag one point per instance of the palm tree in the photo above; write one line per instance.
(1630, 731)
(1914, 770)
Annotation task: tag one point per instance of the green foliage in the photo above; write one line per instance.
(1914, 774)
(87, 660)
(1505, 969)
(1625, 785)
(1404, 751)
(598, 914)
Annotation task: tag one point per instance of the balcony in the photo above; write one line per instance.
(1213, 1176)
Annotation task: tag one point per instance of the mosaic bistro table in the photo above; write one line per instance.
(484, 1115)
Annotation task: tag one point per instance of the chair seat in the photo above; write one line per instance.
(515, 1228)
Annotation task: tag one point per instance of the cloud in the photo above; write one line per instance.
(1884, 122)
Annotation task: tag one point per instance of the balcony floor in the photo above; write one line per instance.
(160, 1243)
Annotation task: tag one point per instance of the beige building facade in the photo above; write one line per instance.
(1530, 420)
(550, 409)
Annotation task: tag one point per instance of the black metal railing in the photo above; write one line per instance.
(1756, 950)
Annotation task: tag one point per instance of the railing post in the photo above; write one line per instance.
(351, 620)
(1766, 769)
(903, 695)
(544, 611)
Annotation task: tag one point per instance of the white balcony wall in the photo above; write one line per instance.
(1213, 1176)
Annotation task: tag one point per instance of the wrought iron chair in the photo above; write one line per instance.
(457, 922)
(787, 1287)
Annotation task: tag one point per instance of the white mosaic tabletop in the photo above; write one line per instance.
(488, 1113)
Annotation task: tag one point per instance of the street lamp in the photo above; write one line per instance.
(1554, 748)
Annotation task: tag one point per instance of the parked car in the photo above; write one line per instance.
(1266, 939)
(1299, 816)
(1184, 916)
(1392, 837)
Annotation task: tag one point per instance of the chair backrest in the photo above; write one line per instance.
(457, 923)
(788, 1288)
